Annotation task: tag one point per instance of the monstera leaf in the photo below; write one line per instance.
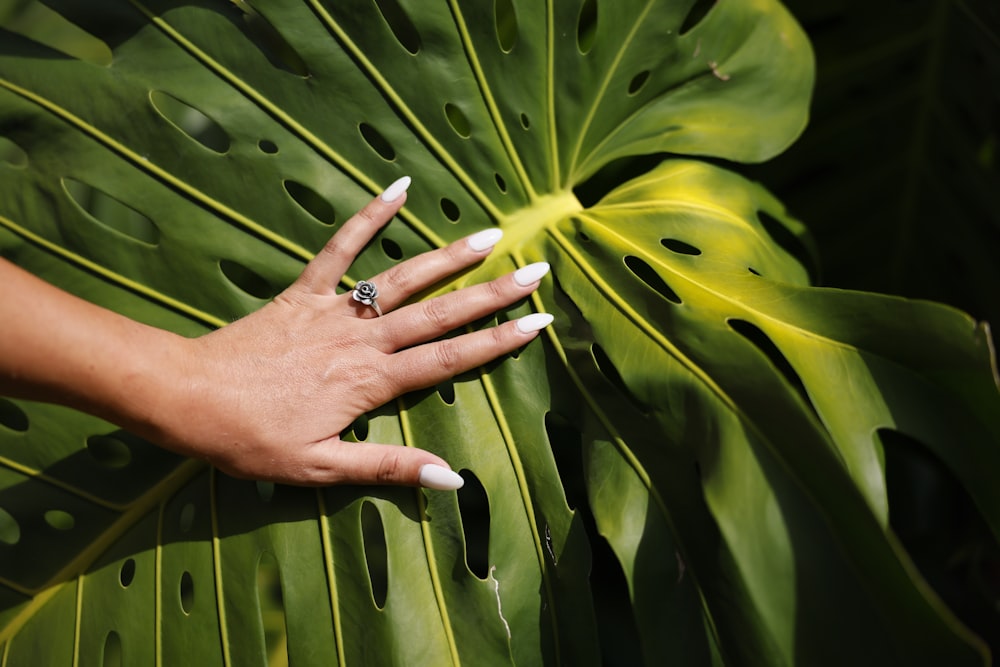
(687, 469)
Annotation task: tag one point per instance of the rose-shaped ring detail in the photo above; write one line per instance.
(365, 292)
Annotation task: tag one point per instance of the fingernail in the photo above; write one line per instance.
(531, 273)
(485, 239)
(396, 190)
(437, 477)
(534, 322)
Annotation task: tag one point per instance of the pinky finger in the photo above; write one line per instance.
(432, 363)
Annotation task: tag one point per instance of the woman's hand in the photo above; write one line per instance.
(268, 396)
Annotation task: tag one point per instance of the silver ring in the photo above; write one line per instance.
(365, 292)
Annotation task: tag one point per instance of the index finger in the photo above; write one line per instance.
(326, 269)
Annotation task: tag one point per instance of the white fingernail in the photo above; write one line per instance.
(534, 322)
(437, 477)
(485, 239)
(531, 273)
(396, 190)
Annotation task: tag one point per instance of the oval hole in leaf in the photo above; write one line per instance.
(109, 451)
(613, 605)
(450, 209)
(525, 121)
(753, 270)
(267, 146)
(648, 275)
(10, 530)
(310, 200)
(376, 554)
(762, 342)
(359, 428)
(126, 575)
(111, 213)
(12, 417)
(501, 183)
(680, 247)
(378, 143)
(586, 27)
(272, 607)
(446, 391)
(506, 24)
(193, 123)
(566, 443)
(11, 154)
(391, 249)
(186, 592)
(270, 42)
(788, 241)
(400, 24)
(610, 371)
(60, 520)
(247, 280)
(699, 10)
(638, 81)
(474, 506)
(112, 651)
(458, 120)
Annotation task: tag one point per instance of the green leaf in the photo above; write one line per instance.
(696, 407)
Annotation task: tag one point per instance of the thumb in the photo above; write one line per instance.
(371, 463)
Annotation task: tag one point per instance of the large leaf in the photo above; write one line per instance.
(697, 405)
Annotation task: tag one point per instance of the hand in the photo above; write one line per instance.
(269, 395)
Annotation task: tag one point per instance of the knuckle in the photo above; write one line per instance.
(438, 314)
(390, 468)
(447, 355)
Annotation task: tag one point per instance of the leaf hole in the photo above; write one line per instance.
(680, 247)
(648, 275)
(194, 124)
(501, 183)
(474, 507)
(111, 213)
(359, 428)
(458, 120)
(60, 520)
(126, 575)
(586, 26)
(450, 209)
(109, 451)
(186, 519)
(391, 249)
(446, 391)
(376, 553)
(400, 25)
(525, 121)
(378, 143)
(272, 608)
(762, 342)
(506, 24)
(247, 280)
(753, 270)
(566, 442)
(610, 371)
(311, 201)
(186, 593)
(267, 146)
(111, 653)
(699, 10)
(13, 417)
(638, 81)
(272, 45)
(265, 490)
(12, 155)
(10, 529)
(789, 242)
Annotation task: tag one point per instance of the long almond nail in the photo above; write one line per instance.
(534, 322)
(531, 273)
(485, 239)
(396, 190)
(433, 476)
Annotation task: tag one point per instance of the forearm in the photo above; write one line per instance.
(57, 348)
